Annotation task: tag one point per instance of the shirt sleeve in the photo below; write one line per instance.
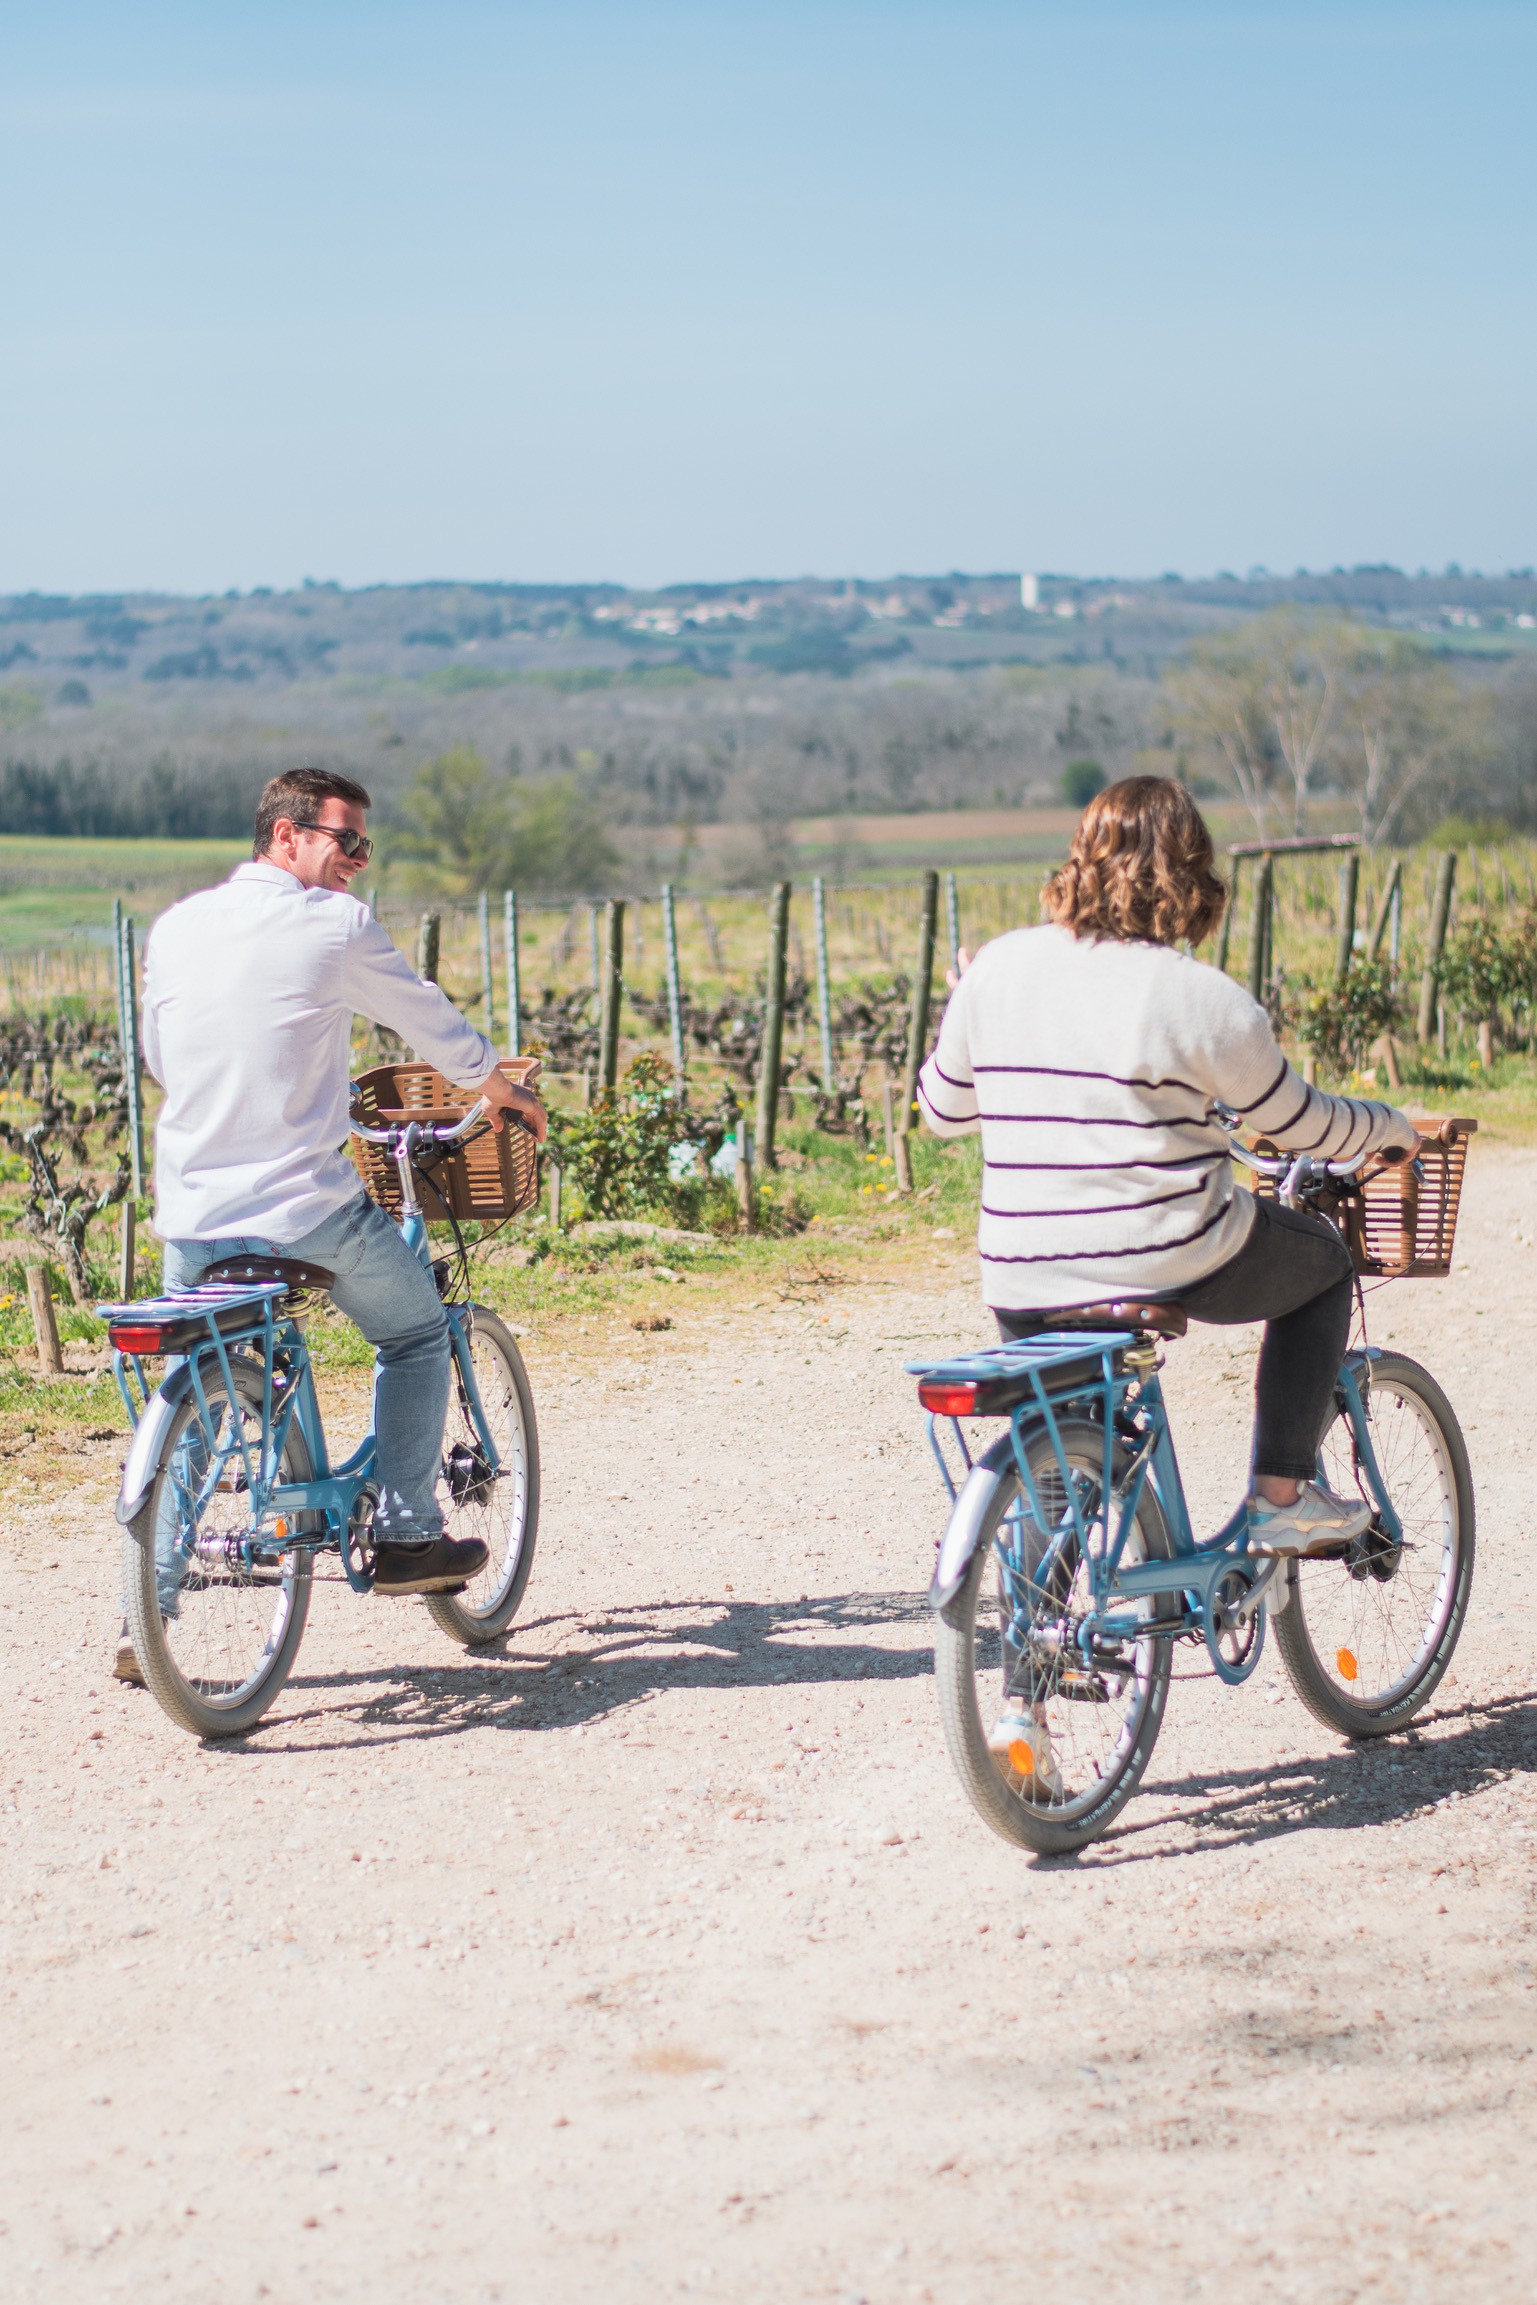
(1256, 1081)
(383, 986)
(947, 1094)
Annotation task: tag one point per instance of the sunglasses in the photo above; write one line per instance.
(352, 844)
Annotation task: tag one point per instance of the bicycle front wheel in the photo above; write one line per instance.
(1010, 1638)
(1368, 1634)
(216, 1607)
(501, 1508)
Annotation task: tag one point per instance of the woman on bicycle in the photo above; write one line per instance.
(1090, 1053)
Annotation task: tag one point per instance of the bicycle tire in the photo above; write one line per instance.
(1335, 1625)
(489, 1603)
(188, 1697)
(1048, 1830)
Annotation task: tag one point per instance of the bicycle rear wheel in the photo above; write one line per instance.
(1368, 1634)
(501, 1508)
(216, 1609)
(1103, 1714)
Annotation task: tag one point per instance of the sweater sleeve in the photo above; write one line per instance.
(383, 986)
(1255, 1079)
(947, 1094)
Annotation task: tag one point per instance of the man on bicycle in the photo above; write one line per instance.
(250, 990)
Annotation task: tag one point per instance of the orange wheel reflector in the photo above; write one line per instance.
(1348, 1668)
(1021, 1758)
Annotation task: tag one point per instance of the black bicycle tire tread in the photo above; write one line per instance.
(955, 1680)
(182, 1704)
(1307, 1676)
(478, 1632)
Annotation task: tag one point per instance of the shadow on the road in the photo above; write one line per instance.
(1452, 1751)
(566, 1671)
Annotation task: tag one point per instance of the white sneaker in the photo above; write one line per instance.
(1023, 1745)
(1318, 1520)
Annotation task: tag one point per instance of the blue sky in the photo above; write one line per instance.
(656, 292)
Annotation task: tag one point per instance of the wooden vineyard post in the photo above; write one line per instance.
(133, 1071)
(1225, 932)
(597, 965)
(674, 985)
(429, 936)
(127, 1275)
(746, 1207)
(1259, 934)
(953, 920)
(514, 1000)
(824, 982)
(613, 991)
(554, 1168)
(917, 1031)
(773, 1024)
(45, 1328)
(1388, 911)
(1440, 915)
(487, 989)
(1345, 940)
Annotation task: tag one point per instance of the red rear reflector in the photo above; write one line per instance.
(947, 1400)
(129, 1338)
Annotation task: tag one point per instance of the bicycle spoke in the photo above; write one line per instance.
(1372, 1637)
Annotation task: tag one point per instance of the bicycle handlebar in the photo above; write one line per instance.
(427, 1132)
(1294, 1171)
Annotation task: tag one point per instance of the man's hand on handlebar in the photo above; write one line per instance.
(503, 1096)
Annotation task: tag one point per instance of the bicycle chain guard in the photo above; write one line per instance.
(1234, 1634)
(359, 1552)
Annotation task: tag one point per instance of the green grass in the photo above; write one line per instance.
(56, 891)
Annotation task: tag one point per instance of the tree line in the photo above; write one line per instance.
(534, 784)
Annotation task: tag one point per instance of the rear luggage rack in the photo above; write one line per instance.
(994, 1382)
(184, 1319)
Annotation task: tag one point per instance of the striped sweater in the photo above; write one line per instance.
(1090, 1067)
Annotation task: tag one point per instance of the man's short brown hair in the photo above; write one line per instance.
(297, 794)
(1141, 867)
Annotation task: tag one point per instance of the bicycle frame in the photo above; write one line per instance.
(1128, 1407)
(273, 1343)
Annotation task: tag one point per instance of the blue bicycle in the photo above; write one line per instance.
(229, 1494)
(1069, 1567)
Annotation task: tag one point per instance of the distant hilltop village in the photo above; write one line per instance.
(463, 635)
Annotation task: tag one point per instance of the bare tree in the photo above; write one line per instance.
(1261, 702)
(1216, 710)
(1405, 723)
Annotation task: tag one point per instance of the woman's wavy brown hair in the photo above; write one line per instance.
(1140, 868)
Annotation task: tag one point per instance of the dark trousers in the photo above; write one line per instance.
(1294, 1274)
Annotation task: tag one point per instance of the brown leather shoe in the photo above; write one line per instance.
(126, 1666)
(444, 1566)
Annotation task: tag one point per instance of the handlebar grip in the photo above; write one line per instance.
(1393, 1154)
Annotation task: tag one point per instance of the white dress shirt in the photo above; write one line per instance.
(250, 990)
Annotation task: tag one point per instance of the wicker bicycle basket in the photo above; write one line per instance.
(1400, 1226)
(490, 1176)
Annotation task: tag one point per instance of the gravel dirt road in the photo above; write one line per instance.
(657, 1952)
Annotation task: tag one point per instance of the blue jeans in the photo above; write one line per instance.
(394, 1300)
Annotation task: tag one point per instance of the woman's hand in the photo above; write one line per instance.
(962, 963)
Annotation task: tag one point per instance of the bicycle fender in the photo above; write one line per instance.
(964, 1533)
(144, 1452)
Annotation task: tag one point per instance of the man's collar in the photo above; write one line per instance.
(270, 875)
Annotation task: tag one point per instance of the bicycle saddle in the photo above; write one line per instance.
(258, 1272)
(1166, 1320)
